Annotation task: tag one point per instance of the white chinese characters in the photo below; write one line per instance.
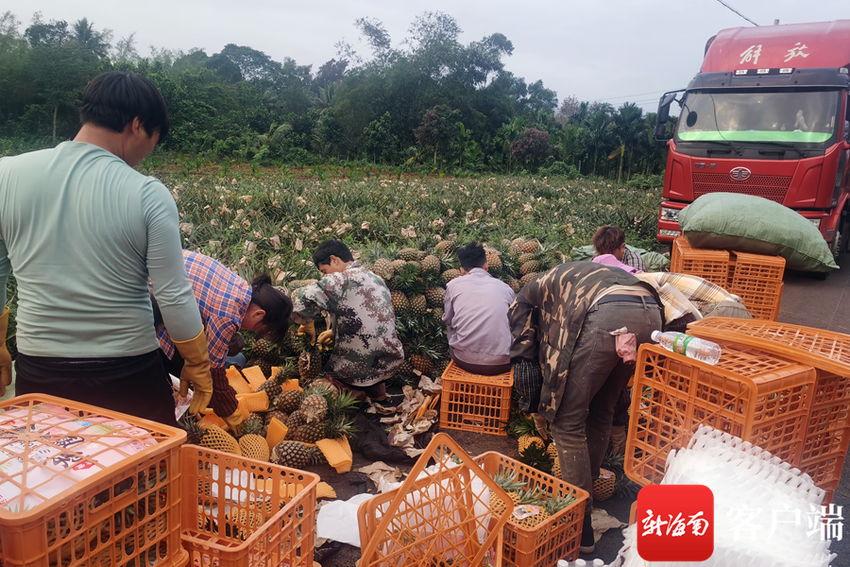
(676, 527)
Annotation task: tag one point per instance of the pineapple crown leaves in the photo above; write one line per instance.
(424, 349)
(508, 481)
(432, 279)
(409, 280)
(520, 424)
(372, 253)
(535, 456)
(341, 405)
(340, 426)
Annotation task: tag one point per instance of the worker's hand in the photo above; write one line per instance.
(196, 369)
(325, 340)
(308, 329)
(542, 425)
(5, 357)
(234, 422)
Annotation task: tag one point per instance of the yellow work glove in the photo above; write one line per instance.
(5, 357)
(234, 422)
(196, 369)
(308, 329)
(325, 339)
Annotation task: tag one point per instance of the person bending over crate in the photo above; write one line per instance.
(476, 316)
(367, 350)
(227, 303)
(84, 233)
(567, 319)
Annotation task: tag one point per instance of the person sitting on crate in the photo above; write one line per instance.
(227, 303)
(367, 350)
(570, 319)
(476, 316)
(84, 233)
(609, 243)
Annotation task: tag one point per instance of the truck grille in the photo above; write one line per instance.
(771, 187)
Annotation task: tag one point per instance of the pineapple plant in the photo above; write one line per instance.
(418, 305)
(430, 263)
(253, 441)
(220, 440)
(294, 455)
(435, 296)
(400, 302)
(409, 254)
(450, 274)
(290, 400)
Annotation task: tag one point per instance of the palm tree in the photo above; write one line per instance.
(627, 127)
(509, 133)
(598, 133)
(84, 34)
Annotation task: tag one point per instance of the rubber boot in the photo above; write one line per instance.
(588, 545)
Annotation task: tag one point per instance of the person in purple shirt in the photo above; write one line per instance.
(476, 314)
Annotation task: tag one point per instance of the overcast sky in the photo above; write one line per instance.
(612, 51)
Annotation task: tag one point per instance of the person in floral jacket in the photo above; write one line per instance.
(367, 350)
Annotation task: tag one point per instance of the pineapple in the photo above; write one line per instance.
(449, 275)
(494, 262)
(431, 264)
(418, 305)
(294, 455)
(253, 442)
(406, 368)
(445, 246)
(274, 414)
(257, 418)
(307, 433)
(528, 278)
(555, 504)
(532, 502)
(295, 420)
(400, 302)
(435, 296)
(441, 365)
(314, 408)
(309, 366)
(220, 440)
(272, 387)
(194, 432)
(507, 480)
(409, 254)
(383, 268)
(556, 468)
(530, 247)
(532, 266)
(398, 265)
(290, 400)
(437, 313)
(515, 247)
(527, 440)
(264, 349)
(514, 283)
(523, 258)
(422, 363)
(552, 450)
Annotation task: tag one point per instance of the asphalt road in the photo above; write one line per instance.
(806, 301)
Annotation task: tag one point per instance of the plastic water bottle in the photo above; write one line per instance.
(692, 347)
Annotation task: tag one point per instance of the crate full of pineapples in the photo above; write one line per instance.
(545, 525)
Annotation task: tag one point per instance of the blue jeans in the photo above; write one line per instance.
(236, 360)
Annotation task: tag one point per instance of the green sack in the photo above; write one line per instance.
(745, 223)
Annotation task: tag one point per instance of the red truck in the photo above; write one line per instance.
(767, 116)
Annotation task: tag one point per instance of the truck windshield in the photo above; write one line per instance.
(800, 116)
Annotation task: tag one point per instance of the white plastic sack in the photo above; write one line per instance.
(337, 520)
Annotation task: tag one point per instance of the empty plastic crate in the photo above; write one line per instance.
(711, 265)
(757, 397)
(757, 280)
(555, 538)
(440, 515)
(82, 485)
(239, 512)
(472, 402)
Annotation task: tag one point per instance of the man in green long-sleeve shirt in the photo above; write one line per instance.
(83, 233)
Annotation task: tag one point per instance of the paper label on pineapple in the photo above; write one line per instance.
(526, 511)
(605, 474)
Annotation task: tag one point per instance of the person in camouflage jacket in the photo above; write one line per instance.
(564, 320)
(367, 350)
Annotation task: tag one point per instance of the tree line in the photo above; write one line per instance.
(429, 103)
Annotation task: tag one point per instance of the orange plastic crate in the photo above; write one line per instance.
(759, 398)
(239, 512)
(711, 265)
(556, 538)
(471, 402)
(757, 280)
(95, 487)
(440, 513)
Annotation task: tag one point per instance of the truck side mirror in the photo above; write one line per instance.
(660, 131)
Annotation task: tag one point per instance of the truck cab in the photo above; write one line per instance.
(766, 116)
